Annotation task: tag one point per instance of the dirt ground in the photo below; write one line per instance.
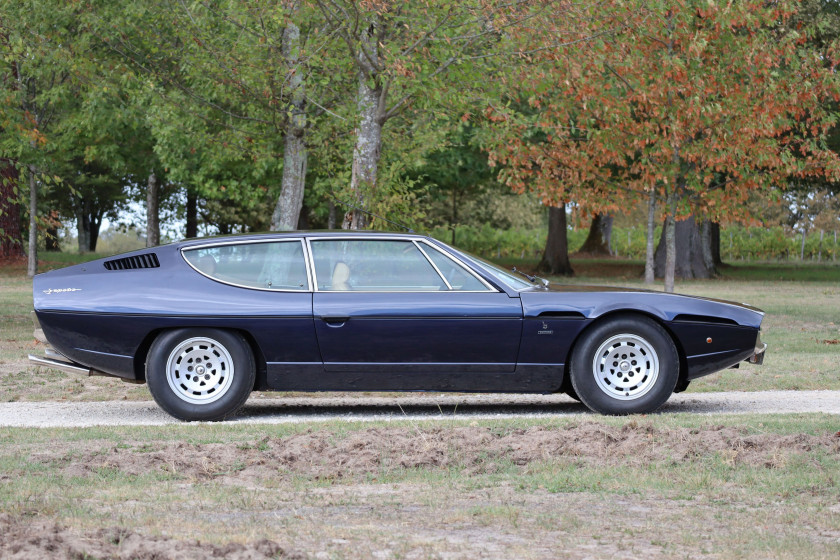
(359, 514)
(23, 540)
(317, 454)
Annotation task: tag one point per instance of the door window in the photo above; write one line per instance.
(373, 265)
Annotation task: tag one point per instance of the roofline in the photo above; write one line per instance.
(261, 236)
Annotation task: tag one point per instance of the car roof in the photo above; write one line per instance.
(263, 236)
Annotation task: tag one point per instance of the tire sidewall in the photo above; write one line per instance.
(227, 405)
(583, 378)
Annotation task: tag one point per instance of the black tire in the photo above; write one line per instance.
(567, 389)
(570, 392)
(626, 364)
(184, 386)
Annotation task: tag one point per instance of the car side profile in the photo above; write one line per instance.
(206, 321)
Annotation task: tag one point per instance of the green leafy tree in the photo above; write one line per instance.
(417, 59)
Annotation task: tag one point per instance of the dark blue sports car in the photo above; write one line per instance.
(206, 321)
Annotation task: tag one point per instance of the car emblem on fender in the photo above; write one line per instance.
(61, 290)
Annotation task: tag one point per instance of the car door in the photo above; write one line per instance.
(401, 305)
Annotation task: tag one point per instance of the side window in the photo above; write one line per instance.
(373, 265)
(457, 276)
(268, 266)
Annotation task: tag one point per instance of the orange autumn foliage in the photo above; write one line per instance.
(704, 102)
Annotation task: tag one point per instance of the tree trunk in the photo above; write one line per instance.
(599, 240)
(303, 220)
(95, 223)
(802, 250)
(82, 228)
(555, 259)
(11, 235)
(819, 251)
(690, 261)
(153, 211)
(715, 240)
(331, 217)
(706, 245)
(670, 253)
(287, 211)
(192, 214)
(52, 245)
(32, 263)
(368, 134)
(87, 226)
(651, 232)
(454, 214)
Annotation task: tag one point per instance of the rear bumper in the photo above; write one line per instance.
(758, 356)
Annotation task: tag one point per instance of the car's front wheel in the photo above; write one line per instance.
(625, 365)
(200, 374)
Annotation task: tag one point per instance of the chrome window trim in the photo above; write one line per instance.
(211, 245)
(309, 239)
(443, 248)
(442, 277)
(490, 287)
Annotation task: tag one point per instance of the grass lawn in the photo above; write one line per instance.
(656, 487)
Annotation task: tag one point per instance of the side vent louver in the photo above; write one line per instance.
(146, 260)
(684, 318)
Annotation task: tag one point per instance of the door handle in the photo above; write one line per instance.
(334, 321)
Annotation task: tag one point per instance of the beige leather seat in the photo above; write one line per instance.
(341, 273)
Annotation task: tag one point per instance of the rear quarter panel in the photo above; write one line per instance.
(101, 318)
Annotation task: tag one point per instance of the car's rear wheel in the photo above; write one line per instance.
(200, 374)
(625, 365)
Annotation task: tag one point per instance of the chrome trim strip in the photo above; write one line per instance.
(425, 317)
(103, 353)
(442, 277)
(310, 264)
(490, 287)
(455, 254)
(210, 245)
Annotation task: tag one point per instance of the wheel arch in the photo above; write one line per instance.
(682, 381)
(142, 353)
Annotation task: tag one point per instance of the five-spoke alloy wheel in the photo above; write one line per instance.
(200, 374)
(625, 364)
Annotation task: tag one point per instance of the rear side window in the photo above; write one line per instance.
(266, 266)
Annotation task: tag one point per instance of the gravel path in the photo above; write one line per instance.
(428, 407)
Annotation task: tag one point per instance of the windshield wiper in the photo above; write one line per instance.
(532, 278)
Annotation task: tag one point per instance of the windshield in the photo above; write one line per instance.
(506, 276)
